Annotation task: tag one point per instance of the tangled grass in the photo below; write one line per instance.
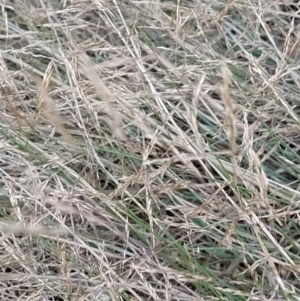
(150, 150)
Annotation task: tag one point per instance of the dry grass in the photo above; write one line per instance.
(150, 150)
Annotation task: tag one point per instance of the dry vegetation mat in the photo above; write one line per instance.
(149, 150)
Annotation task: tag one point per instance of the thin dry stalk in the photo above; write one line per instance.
(47, 107)
(105, 95)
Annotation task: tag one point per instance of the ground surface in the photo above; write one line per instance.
(149, 150)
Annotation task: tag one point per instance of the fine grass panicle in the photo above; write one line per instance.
(149, 150)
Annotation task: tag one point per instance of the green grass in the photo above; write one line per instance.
(120, 178)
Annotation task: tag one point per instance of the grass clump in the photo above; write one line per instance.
(149, 150)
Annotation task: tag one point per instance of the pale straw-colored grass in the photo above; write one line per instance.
(149, 150)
